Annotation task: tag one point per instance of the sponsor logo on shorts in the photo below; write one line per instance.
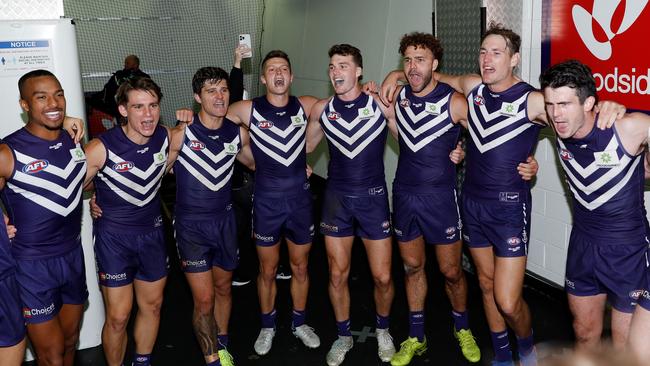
(478, 100)
(229, 207)
(386, 226)
(264, 124)
(566, 154)
(311, 230)
(112, 276)
(123, 166)
(450, 232)
(376, 191)
(266, 239)
(466, 238)
(646, 295)
(513, 241)
(333, 116)
(190, 263)
(328, 227)
(635, 294)
(28, 313)
(405, 103)
(35, 166)
(570, 284)
(509, 196)
(158, 221)
(398, 232)
(197, 145)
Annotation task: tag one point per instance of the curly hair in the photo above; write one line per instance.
(424, 40)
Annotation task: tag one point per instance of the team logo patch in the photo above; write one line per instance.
(196, 145)
(514, 241)
(124, 166)
(478, 100)
(566, 154)
(35, 166)
(404, 103)
(450, 230)
(333, 116)
(385, 224)
(264, 124)
(27, 313)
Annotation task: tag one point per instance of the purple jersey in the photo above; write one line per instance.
(356, 136)
(427, 134)
(43, 194)
(128, 183)
(204, 168)
(607, 185)
(7, 263)
(502, 136)
(278, 145)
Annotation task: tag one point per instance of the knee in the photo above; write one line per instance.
(223, 288)
(413, 268)
(203, 304)
(117, 321)
(267, 273)
(338, 278)
(299, 271)
(509, 307)
(585, 331)
(452, 273)
(382, 280)
(487, 284)
(70, 341)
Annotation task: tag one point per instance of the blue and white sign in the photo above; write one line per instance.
(20, 56)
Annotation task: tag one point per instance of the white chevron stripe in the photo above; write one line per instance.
(109, 172)
(193, 156)
(215, 158)
(485, 132)
(354, 138)
(205, 181)
(352, 154)
(424, 141)
(498, 141)
(591, 168)
(47, 203)
(603, 198)
(282, 133)
(350, 125)
(284, 147)
(61, 191)
(423, 113)
(487, 115)
(425, 127)
(600, 182)
(275, 156)
(129, 198)
(114, 158)
(54, 170)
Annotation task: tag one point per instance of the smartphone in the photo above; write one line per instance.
(245, 39)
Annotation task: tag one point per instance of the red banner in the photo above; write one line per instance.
(611, 36)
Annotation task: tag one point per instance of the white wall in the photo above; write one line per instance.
(305, 29)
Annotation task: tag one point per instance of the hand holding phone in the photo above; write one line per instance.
(245, 40)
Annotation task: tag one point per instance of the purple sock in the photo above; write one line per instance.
(501, 346)
(525, 345)
(382, 321)
(268, 320)
(344, 328)
(298, 318)
(416, 325)
(214, 363)
(461, 320)
(141, 360)
(222, 340)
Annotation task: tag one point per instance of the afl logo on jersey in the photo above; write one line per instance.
(264, 124)
(124, 166)
(197, 145)
(333, 116)
(35, 166)
(478, 100)
(405, 103)
(566, 154)
(514, 241)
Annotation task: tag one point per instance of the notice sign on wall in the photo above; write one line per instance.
(608, 35)
(20, 56)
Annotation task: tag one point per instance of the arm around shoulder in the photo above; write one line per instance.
(95, 159)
